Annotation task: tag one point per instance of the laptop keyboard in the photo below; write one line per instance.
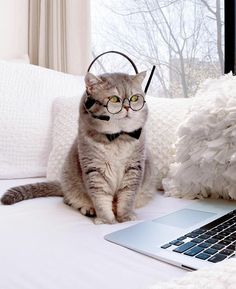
(212, 242)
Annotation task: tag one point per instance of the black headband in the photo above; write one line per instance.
(132, 63)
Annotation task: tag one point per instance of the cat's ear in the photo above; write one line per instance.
(140, 77)
(90, 79)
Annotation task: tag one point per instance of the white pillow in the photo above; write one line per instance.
(65, 129)
(26, 96)
(164, 117)
(206, 148)
(220, 276)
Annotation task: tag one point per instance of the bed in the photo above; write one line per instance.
(46, 244)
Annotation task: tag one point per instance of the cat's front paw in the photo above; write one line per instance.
(87, 211)
(99, 221)
(126, 218)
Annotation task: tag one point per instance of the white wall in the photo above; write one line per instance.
(13, 28)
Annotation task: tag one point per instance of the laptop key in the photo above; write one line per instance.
(231, 247)
(217, 258)
(205, 245)
(197, 240)
(165, 246)
(194, 251)
(179, 243)
(199, 231)
(223, 227)
(212, 241)
(218, 246)
(228, 231)
(181, 238)
(192, 235)
(230, 239)
(205, 236)
(203, 256)
(226, 252)
(219, 237)
(224, 233)
(184, 247)
(224, 242)
(211, 251)
(216, 230)
(233, 228)
(211, 233)
(176, 242)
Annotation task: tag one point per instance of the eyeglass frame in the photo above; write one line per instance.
(122, 105)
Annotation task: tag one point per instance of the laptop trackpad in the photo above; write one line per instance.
(184, 218)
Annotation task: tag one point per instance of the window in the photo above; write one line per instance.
(183, 38)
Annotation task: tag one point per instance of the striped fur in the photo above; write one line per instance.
(30, 191)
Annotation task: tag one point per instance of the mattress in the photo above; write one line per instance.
(48, 245)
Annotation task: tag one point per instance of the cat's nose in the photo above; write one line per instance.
(126, 107)
(126, 104)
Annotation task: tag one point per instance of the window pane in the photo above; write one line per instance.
(183, 38)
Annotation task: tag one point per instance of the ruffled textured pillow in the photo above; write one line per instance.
(164, 117)
(220, 276)
(205, 164)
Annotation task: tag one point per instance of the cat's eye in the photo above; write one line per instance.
(114, 99)
(115, 104)
(134, 98)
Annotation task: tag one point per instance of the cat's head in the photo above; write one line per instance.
(114, 102)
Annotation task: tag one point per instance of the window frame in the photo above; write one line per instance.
(230, 47)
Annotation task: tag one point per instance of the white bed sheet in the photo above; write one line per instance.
(45, 244)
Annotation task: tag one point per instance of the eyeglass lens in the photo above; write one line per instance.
(114, 105)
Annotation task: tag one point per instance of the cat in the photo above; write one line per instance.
(108, 171)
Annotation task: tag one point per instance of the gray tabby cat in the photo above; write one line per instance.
(107, 171)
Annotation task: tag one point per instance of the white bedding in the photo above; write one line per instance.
(48, 245)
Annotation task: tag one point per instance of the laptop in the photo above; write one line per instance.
(194, 237)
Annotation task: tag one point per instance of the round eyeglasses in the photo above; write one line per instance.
(115, 104)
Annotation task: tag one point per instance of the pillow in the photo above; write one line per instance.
(164, 117)
(65, 128)
(26, 96)
(205, 164)
(220, 276)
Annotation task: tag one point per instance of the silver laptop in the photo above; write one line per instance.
(194, 237)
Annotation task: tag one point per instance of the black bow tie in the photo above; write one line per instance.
(135, 134)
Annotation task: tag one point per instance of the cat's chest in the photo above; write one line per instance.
(115, 159)
(118, 155)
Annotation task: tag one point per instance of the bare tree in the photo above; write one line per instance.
(164, 25)
(216, 16)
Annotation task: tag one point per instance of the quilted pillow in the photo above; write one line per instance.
(164, 117)
(26, 96)
(205, 164)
